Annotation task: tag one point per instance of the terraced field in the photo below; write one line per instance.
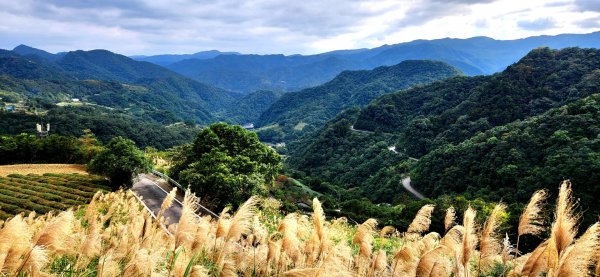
(48, 192)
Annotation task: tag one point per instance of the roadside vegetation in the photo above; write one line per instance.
(115, 236)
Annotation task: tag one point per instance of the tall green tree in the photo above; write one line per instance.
(119, 161)
(225, 165)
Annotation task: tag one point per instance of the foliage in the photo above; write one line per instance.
(103, 123)
(447, 125)
(119, 161)
(225, 165)
(312, 107)
(116, 236)
(250, 107)
(514, 160)
(26, 148)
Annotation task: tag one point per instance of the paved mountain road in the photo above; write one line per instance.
(407, 186)
(153, 195)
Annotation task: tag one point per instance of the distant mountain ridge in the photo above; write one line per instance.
(167, 59)
(28, 50)
(473, 56)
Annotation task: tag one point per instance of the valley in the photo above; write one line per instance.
(342, 161)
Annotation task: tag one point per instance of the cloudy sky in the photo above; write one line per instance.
(278, 26)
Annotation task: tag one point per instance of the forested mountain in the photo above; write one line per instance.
(112, 80)
(508, 162)
(454, 111)
(309, 109)
(473, 56)
(169, 59)
(25, 50)
(249, 108)
(145, 110)
(446, 125)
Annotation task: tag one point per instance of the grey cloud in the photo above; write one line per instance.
(465, 1)
(434, 9)
(588, 5)
(258, 26)
(593, 22)
(559, 4)
(537, 24)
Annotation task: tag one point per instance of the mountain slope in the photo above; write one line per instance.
(420, 120)
(25, 50)
(473, 56)
(541, 80)
(511, 161)
(113, 80)
(311, 108)
(249, 108)
(105, 65)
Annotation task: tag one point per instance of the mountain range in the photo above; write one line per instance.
(472, 56)
(112, 80)
(490, 137)
(370, 119)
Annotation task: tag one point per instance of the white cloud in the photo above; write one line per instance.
(271, 26)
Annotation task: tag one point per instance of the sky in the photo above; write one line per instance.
(148, 27)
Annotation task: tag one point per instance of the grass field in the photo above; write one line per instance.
(44, 193)
(42, 169)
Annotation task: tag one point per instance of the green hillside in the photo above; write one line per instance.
(309, 109)
(453, 111)
(511, 161)
(112, 80)
(427, 122)
(103, 122)
(250, 107)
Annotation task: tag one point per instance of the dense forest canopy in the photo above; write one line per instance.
(440, 135)
(225, 165)
(306, 110)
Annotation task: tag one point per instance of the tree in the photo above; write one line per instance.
(119, 161)
(226, 165)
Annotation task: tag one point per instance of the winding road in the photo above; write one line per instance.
(405, 180)
(360, 131)
(409, 188)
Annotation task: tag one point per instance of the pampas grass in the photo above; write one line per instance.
(564, 227)
(537, 261)
(449, 219)
(422, 220)
(167, 202)
(489, 246)
(116, 236)
(532, 219)
(469, 242)
(579, 257)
